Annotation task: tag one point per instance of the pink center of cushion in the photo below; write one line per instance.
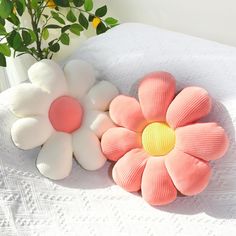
(65, 114)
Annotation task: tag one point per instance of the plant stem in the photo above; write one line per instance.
(35, 29)
(42, 8)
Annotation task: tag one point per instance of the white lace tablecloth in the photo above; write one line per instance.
(88, 203)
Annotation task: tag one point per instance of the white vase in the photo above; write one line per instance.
(16, 70)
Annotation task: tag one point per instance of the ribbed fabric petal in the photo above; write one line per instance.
(127, 172)
(207, 141)
(157, 187)
(116, 142)
(125, 111)
(189, 105)
(156, 91)
(189, 174)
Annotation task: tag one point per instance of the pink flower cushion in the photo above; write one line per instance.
(158, 146)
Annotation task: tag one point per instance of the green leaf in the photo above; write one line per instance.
(32, 35)
(76, 29)
(45, 34)
(34, 4)
(3, 60)
(26, 37)
(52, 42)
(78, 3)
(2, 30)
(20, 7)
(102, 11)
(46, 16)
(6, 7)
(22, 48)
(2, 21)
(71, 16)
(101, 28)
(10, 38)
(83, 21)
(65, 39)
(13, 19)
(17, 41)
(62, 3)
(5, 49)
(33, 49)
(65, 28)
(88, 5)
(53, 26)
(56, 16)
(111, 21)
(90, 18)
(54, 47)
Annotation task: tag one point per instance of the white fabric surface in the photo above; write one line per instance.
(88, 203)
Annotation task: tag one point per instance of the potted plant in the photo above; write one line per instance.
(39, 28)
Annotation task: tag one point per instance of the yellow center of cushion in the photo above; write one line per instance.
(158, 139)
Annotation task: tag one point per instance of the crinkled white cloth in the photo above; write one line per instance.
(88, 203)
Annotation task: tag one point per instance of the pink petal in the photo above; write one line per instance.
(189, 174)
(128, 171)
(207, 141)
(116, 142)
(157, 187)
(125, 111)
(156, 92)
(189, 105)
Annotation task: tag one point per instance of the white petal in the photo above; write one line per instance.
(30, 132)
(55, 158)
(49, 76)
(28, 99)
(100, 96)
(87, 149)
(80, 76)
(98, 122)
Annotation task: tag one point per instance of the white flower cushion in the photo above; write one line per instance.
(65, 111)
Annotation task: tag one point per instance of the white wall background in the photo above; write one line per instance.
(210, 19)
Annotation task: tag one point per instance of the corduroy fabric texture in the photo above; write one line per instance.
(174, 150)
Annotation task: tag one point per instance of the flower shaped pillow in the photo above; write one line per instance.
(66, 112)
(158, 146)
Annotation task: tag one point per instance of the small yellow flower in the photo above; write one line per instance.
(96, 22)
(51, 3)
(14, 10)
